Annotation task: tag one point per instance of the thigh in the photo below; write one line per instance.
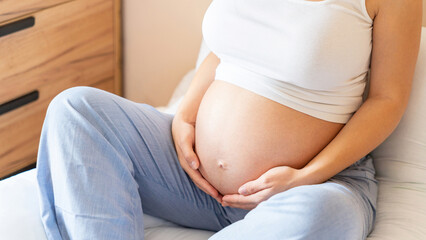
(360, 179)
(341, 208)
(165, 190)
(106, 157)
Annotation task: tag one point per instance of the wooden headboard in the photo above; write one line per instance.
(161, 43)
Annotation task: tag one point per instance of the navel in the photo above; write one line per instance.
(221, 164)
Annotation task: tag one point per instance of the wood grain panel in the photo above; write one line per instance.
(118, 48)
(10, 9)
(60, 38)
(70, 45)
(20, 143)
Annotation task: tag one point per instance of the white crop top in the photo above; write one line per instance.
(312, 56)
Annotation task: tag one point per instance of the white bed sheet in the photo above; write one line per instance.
(19, 215)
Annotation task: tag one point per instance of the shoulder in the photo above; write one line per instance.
(396, 40)
(393, 6)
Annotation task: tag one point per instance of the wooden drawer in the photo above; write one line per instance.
(69, 45)
(63, 38)
(10, 9)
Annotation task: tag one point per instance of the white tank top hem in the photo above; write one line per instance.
(285, 94)
(314, 61)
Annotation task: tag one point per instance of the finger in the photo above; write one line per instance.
(201, 187)
(207, 188)
(204, 186)
(253, 186)
(208, 191)
(235, 198)
(197, 177)
(189, 155)
(200, 181)
(219, 198)
(237, 205)
(255, 198)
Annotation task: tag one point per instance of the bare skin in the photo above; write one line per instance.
(240, 135)
(395, 45)
(235, 147)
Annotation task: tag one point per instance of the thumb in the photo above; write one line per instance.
(190, 156)
(251, 187)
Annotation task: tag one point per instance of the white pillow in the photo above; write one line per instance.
(402, 156)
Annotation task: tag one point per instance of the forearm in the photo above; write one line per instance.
(369, 126)
(204, 76)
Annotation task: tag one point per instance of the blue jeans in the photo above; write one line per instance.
(104, 160)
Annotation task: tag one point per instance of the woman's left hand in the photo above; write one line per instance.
(273, 181)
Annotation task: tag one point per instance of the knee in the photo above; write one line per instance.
(329, 202)
(73, 99)
(75, 96)
(317, 212)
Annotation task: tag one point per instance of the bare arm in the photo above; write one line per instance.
(396, 40)
(183, 125)
(204, 76)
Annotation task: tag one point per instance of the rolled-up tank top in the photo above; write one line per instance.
(312, 56)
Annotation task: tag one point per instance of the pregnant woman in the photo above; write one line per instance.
(271, 141)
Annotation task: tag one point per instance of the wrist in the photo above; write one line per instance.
(309, 176)
(186, 116)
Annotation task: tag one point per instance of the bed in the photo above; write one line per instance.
(400, 164)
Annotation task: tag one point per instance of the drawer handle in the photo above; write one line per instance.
(16, 26)
(18, 102)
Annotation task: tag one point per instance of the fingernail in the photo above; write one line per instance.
(193, 165)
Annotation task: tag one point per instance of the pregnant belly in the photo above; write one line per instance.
(239, 135)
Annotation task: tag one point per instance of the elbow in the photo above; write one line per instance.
(396, 106)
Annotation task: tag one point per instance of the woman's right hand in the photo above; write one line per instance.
(184, 139)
